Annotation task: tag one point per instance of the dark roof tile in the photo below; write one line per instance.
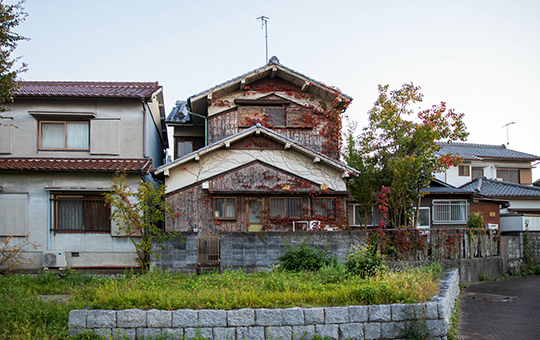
(495, 188)
(480, 151)
(86, 89)
(76, 164)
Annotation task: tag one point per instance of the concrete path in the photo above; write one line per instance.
(503, 309)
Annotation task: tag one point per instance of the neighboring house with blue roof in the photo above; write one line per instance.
(524, 202)
(490, 161)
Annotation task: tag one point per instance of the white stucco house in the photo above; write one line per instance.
(485, 160)
(60, 145)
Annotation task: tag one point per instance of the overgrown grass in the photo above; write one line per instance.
(23, 315)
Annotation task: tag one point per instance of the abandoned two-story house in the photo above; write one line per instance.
(258, 152)
(60, 145)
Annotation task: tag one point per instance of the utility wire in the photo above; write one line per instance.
(234, 62)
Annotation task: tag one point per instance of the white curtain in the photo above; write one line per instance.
(77, 136)
(52, 135)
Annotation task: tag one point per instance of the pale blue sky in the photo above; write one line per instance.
(481, 57)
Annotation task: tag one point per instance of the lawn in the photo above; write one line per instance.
(24, 315)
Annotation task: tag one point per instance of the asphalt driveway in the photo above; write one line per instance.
(503, 309)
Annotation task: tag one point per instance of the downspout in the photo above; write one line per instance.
(49, 221)
(144, 127)
(205, 126)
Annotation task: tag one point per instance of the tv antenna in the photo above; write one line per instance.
(508, 124)
(264, 22)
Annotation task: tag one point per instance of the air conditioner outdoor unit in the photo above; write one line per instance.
(492, 226)
(54, 259)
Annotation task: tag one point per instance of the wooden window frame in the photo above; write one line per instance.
(228, 218)
(476, 169)
(65, 122)
(464, 170)
(84, 228)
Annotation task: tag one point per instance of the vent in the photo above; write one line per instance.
(54, 259)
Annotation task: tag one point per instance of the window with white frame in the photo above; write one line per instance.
(76, 213)
(286, 207)
(423, 218)
(357, 217)
(64, 135)
(450, 211)
(225, 207)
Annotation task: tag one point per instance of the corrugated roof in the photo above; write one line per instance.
(495, 188)
(86, 89)
(472, 151)
(76, 164)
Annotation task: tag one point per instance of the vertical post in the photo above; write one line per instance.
(264, 22)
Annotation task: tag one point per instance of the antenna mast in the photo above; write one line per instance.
(264, 22)
(507, 140)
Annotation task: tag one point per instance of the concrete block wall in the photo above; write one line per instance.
(338, 323)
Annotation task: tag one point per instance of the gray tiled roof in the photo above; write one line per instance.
(439, 187)
(260, 69)
(480, 151)
(179, 114)
(495, 188)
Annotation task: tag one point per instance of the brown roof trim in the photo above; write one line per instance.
(81, 89)
(132, 165)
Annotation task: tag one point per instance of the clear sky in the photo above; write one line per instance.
(481, 57)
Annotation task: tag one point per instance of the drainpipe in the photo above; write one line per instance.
(205, 126)
(144, 126)
(49, 221)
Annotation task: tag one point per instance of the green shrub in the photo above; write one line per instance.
(475, 220)
(365, 262)
(304, 257)
(332, 273)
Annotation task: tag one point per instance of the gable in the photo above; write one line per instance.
(256, 177)
(220, 161)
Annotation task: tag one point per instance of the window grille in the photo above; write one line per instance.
(450, 211)
(285, 207)
(323, 207)
(81, 213)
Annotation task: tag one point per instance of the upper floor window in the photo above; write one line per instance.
(450, 211)
(464, 170)
(477, 172)
(64, 135)
(184, 148)
(508, 175)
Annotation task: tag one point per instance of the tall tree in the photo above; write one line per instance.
(400, 146)
(10, 17)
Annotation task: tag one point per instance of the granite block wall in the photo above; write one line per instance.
(338, 323)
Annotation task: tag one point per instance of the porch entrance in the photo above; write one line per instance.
(254, 214)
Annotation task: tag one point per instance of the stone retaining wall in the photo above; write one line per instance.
(339, 323)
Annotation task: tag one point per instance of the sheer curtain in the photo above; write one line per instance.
(77, 135)
(52, 135)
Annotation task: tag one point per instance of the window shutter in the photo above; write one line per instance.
(105, 137)
(5, 135)
(13, 214)
(275, 116)
(247, 114)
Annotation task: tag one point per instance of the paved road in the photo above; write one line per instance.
(504, 309)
